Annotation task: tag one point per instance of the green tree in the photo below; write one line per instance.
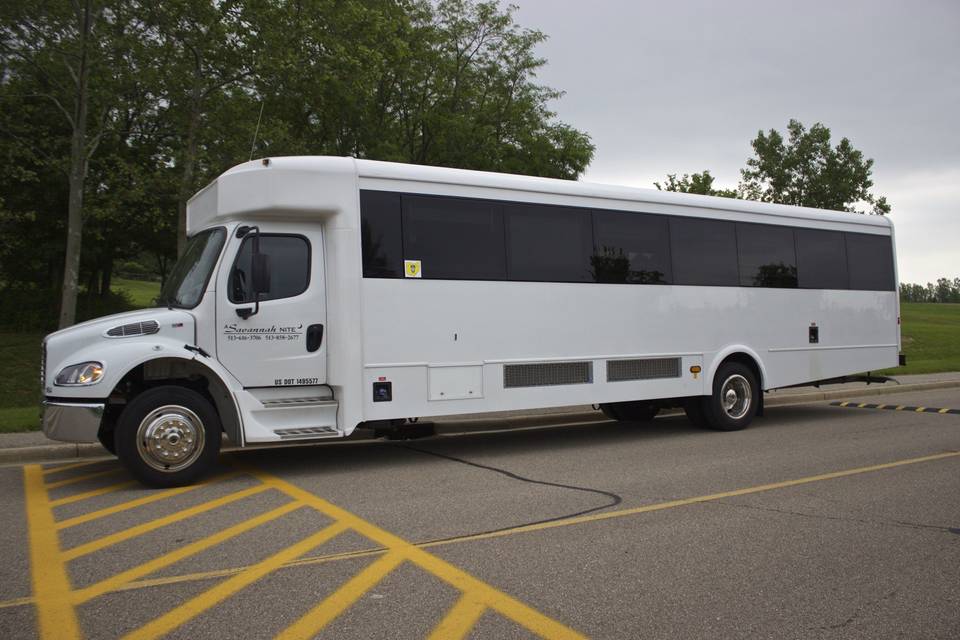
(61, 50)
(805, 170)
(701, 183)
(208, 48)
(113, 112)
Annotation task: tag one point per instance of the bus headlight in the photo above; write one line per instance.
(82, 374)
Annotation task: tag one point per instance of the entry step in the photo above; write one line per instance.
(306, 433)
(299, 402)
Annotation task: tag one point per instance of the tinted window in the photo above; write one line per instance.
(768, 256)
(454, 238)
(380, 234)
(289, 260)
(630, 247)
(821, 259)
(548, 244)
(870, 261)
(704, 251)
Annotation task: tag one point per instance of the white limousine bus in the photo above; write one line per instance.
(320, 294)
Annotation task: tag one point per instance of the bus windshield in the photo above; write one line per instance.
(184, 288)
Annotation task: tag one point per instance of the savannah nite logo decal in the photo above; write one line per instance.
(273, 333)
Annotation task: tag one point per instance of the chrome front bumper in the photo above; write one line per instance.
(71, 422)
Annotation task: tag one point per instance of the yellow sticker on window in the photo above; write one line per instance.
(411, 268)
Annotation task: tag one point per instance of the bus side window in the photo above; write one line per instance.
(548, 243)
(767, 255)
(821, 259)
(631, 248)
(704, 251)
(870, 260)
(454, 238)
(380, 234)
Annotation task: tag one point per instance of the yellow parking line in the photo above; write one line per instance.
(51, 584)
(459, 621)
(213, 596)
(139, 502)
(333, 605)
(881, 406)
(943, 410)
(920, 409)
(92, 494)
(110, 540)
(899, 407)
(861, 405)
(16, 602)
(844, 404)
(76, 479)
(114, 582)
(131, 582)
(510, 607)
(66, 467)
(659, 506)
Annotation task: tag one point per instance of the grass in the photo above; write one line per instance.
(931, 340)
(20, 352)
(16, 419)
(142, 292)
(930, 334)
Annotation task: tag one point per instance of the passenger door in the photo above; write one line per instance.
(284, 343)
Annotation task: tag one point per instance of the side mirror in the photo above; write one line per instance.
(260, 276)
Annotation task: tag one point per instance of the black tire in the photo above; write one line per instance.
(637, 411)
(185, 442)
(108, 441)
(725, 412)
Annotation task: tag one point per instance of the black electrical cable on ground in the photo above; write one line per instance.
(615, 499)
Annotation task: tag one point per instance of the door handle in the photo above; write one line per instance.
(314, 337)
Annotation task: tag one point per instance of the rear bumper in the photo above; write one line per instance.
(71, 421)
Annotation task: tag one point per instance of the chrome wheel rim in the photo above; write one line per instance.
(170, 438)
(736, 396)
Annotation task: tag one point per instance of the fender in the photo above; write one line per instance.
(124, 356)
(724, 353)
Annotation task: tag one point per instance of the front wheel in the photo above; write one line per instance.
(734, 401)
(168, 436)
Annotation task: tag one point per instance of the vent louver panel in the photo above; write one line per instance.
(642, 369)
(134, 329)
(546, 374)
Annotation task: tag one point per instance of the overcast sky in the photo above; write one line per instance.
(683, 86)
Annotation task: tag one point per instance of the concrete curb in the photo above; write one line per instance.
(58, 452)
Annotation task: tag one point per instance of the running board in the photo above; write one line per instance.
(307, 433)
(863, 377)
(299, 402)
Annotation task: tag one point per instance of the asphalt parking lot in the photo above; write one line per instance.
(818, 521)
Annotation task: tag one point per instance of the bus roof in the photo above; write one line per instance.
(288, 183)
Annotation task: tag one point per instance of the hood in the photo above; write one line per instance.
(112, 335)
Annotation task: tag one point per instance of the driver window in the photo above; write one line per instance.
(289, 258)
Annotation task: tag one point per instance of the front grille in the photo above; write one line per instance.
(134, 329)
(43, 366)
(546, 374)
(642, 369)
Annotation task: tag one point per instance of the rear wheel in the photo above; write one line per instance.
(637, 411)
(168, 436)
(735, 397)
